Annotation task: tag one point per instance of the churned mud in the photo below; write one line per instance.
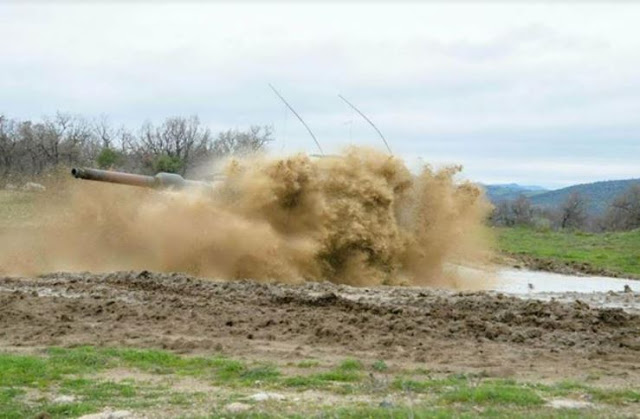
(440, 330)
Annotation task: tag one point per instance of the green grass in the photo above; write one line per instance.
(339, 375)
(29, 385)
(304, 382)
(617, 252)
(218, 368)
(614, 396)
(348, 371)
(70, 371)
(429, 385)
(379, 366)
(262, 373)
(308, 363)
(350, 365)
(323, 379)
(494, 393)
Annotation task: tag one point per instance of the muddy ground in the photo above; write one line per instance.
(443, 331)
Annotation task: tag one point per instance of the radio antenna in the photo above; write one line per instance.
(369, 121)
(298, 116)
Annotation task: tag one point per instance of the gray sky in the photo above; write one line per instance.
(531, 93)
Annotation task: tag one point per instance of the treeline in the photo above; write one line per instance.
(177, 145)
(623, 213)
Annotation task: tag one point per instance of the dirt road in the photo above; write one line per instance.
(440, 330)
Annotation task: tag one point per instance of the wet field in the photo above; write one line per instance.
(545, 335)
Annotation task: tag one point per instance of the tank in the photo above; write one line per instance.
(160, 181)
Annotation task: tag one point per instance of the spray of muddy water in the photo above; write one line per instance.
(360, 218)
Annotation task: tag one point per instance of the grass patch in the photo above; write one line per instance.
(430, 385)
(158, 362)
(29, 385)
(8, 394)
(379, 366)
(493, 393)
(422, 371)
(228, 369)
(339, 375)
(614, 251)
(82, 359)
(609, 396)
(65, 410)
(322, 379)
(348, 371)
(350, 365)
(99, 391)
(20, 370)
(262, 373)
(303, 382)
(308, 363)
(186, 399)
(615, 396)
(564, 387)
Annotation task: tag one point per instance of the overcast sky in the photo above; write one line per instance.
(531, 93)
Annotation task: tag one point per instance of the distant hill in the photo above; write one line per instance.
(598, 194)
(510, 191)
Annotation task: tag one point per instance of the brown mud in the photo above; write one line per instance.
(440, 330)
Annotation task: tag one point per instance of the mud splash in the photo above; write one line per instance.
(360, 218)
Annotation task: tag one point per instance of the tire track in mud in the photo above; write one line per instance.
(183, 312)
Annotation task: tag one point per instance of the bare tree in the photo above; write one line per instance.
(32, 163)
(104, 131)
(234, 142)
(62, 139)
(512, 213)
(48, 137)
(501, 215)
(8, 145)
(178, 144)
(522, 210)
(624, 212)
(573, 212)
(175, 141)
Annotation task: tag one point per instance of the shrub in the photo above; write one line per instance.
(107, 158)
(166, 163)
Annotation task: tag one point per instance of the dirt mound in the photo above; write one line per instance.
(162, 309)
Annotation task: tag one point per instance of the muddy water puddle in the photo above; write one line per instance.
(515, 281)
(597, 291)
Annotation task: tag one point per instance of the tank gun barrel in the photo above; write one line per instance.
(160, 181)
